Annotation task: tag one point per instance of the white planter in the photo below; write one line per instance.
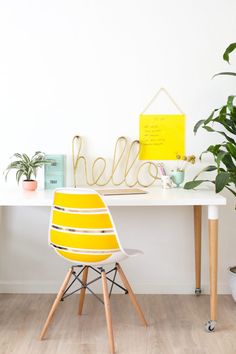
(232, 281)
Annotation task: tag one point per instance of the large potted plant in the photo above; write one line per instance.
(221, 121)
(27, 167)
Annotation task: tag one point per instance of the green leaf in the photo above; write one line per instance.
(34, 171)
(221, 180)
(206, 169)
(230, 102)
(230, 73)
(231, 190)
(6, 174)
(14, 164)
(209, 129)
(198, 124)
(220, 156)
(194, 184)
(213, 149)
(37, 164)
(223, 110)
(232, 149)
(226, 136)
(38, 154)
(229, 163)
(233, 178)
(18, 155)
(229, 50)
(227, 123)
(209, 168)
(30, 172)
(26, 158)
(209, 119)
(47, 161)
(204, 121)
(19, 174)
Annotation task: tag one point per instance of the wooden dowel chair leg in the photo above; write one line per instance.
(56, 302)
(83, 290)
(131, 294)
(108, 312)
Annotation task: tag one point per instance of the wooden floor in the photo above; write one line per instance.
(175, 325)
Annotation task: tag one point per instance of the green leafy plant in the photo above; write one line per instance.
(222, 121)
(26, 166)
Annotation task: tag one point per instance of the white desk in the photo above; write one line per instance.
(156, 196)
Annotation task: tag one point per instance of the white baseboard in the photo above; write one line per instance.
(139, 288)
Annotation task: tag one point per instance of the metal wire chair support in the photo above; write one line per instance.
(114, 277)
(119, 286)
(86, 286)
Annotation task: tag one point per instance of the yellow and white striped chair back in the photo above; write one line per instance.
(81, 228)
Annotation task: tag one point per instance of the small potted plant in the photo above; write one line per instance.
(27, 167)
(178, 173)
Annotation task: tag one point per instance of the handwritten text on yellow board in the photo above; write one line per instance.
(162, 136)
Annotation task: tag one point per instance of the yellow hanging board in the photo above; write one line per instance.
(162, 136)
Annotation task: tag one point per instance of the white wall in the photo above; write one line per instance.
(89, 68)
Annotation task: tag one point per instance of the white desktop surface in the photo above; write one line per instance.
(156, 196)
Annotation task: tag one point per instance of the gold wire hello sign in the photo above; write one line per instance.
(125, 152)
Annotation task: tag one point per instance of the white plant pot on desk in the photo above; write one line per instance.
(232, 281)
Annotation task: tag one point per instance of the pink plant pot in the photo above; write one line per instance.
(29, 185)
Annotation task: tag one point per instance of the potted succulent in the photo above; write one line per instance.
(223, 122)
(27, 167)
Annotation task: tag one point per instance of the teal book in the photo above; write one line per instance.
(54, 173)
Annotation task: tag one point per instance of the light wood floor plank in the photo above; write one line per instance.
(175, 325)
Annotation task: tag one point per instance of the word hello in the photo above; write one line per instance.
(125, 167)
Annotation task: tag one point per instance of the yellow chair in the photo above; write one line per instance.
(82, 231)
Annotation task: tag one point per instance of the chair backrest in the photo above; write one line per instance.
(81, 227)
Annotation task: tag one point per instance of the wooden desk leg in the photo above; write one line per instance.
(213, 260)
(197, 211)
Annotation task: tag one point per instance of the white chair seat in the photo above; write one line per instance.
(119, 256)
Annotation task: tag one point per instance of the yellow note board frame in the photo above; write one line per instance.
(162, 136)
